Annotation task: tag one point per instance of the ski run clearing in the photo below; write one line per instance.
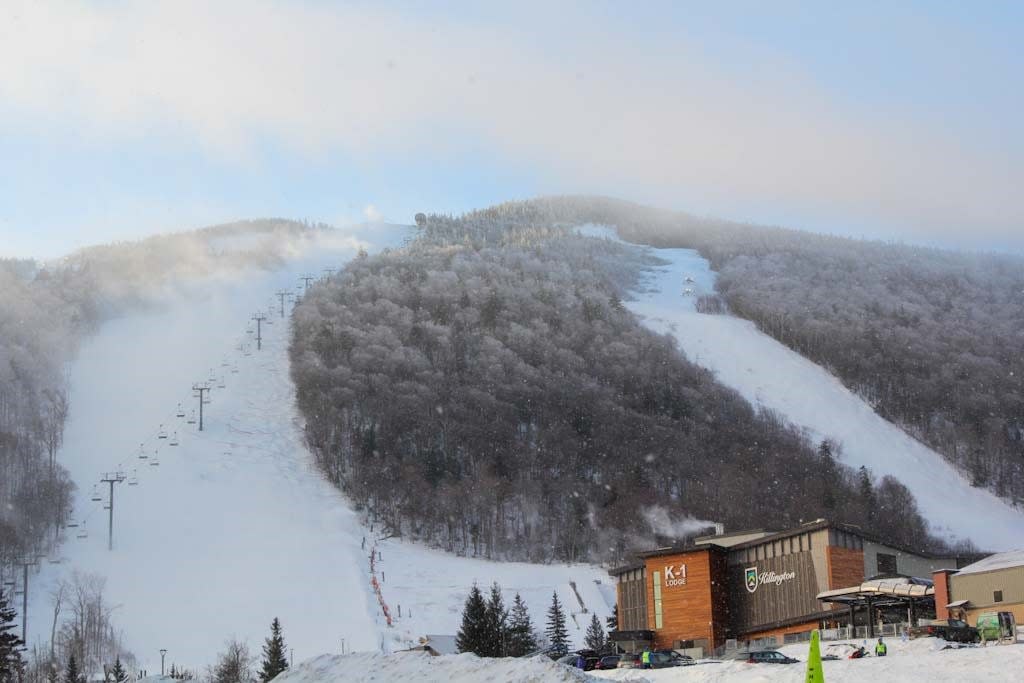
(771, 375)
(233, 526)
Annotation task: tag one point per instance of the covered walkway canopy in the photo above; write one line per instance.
(900, 591)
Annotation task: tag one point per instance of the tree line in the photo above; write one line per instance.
(485, 390)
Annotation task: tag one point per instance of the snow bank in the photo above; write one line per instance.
(911, 662)
(424, 668)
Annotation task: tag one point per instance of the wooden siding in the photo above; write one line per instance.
(845, 567)
(687, 610)
(771, 603)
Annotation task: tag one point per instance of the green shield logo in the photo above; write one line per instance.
(751, 579)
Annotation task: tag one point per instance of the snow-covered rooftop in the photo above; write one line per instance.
(1011, 558)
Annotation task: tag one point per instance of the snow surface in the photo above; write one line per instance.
(916, 660)
(235, 526)
(769, 374)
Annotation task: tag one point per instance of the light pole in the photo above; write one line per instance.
(162, 653)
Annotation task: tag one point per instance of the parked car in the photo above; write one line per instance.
(948, 629)
(608, 662)
(630, 660)
(767, 657)
(679, 659)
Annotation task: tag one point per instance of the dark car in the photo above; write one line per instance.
(680, 660)
(608, 662)
(767, 657)
(947, 629)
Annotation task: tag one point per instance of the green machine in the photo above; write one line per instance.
(997, 626)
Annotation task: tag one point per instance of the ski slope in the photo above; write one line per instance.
(234, 526)
(769, 374)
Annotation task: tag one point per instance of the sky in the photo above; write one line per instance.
(897, 121)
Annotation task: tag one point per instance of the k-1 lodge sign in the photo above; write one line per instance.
(675, 575)
(753, 579)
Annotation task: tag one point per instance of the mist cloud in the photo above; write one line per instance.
(365, 82)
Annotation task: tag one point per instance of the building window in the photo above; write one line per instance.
(886, 563)
(997, 596)
(657, 600)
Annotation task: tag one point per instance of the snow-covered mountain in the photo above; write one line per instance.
(769, 374)
(235, 526)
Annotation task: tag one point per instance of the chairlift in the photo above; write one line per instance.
(192, 419)
(96, 495)
(82, 534)
(234, 369)
(174, 440)
(221, 384)
(161, 433)
(180, 412)
(155, 462)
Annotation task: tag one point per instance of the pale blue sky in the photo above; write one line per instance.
(891, 120)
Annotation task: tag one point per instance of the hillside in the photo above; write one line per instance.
(493, 365)
(931, 339)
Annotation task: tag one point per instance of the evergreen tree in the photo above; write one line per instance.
(866, 491)
(521, 640)
(496, 625)
(473, 632)
(120, 675)
(10, 656)
(274, 661)
(558, 635)
(71, 674)
(595, 637)
(612, 622)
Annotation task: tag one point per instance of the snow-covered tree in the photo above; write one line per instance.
(473, 634)
(595, 638)
(521, 638)
(10, 656)
(274, 659)
(558, 635)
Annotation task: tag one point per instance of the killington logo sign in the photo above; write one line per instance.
(753, 579)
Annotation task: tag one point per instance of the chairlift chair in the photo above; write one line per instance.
(192, 420)
(181, 411)
(221, 384)
(161, 433)
(96, 495)
(174, 440)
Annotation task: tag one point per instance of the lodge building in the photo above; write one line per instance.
(752, 586)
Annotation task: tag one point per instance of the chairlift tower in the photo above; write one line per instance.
(25, 564)
(282, 294)
(200, 389)
(307, 279)
(111, 478)
(259, 318)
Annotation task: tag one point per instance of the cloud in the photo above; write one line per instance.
(372, 214)
(594, 109)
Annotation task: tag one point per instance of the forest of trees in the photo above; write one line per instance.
(932, 339)
(484, 389)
